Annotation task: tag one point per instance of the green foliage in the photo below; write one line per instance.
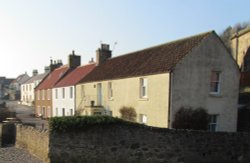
(128, 113)
(187, 118)
(79, 123)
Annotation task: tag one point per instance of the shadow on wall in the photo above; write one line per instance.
(7, 134)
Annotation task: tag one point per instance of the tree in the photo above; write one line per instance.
(128, 113)
(187, 118)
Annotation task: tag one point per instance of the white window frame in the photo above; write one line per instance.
(38, 95)
(213, 122)
(82, 91)
(110, 90)
(48, 94)
(43, 94)
(63, 93)
(56, 93)
(71, 92)
(143, 88)
(143, 118)
(216, 82)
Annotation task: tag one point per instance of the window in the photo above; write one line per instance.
(43, 94)
(110, 90)
(30, 87)
(82, 91)
(63, 112)
(38, 95)
(212, 126)
(215, 82)
(71, 112)
(143, 118)
(71, 92)
(56, 93)
(143, 88)
(56, 111)
(48, 94)
(63, 92)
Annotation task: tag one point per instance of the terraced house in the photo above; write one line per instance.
(195, 72)
(64, 90)
(28, 88)
(43, 92)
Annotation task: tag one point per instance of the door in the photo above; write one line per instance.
(99, 94)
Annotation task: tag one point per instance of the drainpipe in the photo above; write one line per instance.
(170, 99)
(237, 47)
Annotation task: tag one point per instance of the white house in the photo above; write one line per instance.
(63, 93)
(27, 88)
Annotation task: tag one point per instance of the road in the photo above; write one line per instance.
(26, 115)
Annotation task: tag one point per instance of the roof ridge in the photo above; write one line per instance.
(164, 44)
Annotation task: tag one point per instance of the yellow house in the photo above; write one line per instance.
(157, 81)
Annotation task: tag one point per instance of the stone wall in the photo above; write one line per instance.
(125, 144)
(134, 144)
(34, 140)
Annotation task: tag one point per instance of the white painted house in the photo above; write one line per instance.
(64, 91)
(28, 88)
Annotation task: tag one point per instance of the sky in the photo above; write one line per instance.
(34, 31)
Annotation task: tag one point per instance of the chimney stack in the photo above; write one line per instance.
(34, 72)
(74, 60)
(54, 65)
(46, 69)
(102, 54)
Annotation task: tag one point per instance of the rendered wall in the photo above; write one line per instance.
(191, 83)
(126, 93)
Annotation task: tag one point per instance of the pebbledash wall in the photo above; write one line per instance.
(134, 144)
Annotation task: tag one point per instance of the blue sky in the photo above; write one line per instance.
(32, 31)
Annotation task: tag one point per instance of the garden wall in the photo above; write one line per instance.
(34, 140)
(125, 144)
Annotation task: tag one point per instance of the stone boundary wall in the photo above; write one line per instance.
(34, 140)
(134, 144)
(141, 144)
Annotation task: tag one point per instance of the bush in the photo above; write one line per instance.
(187, 118)
(79, 123)
(128, 113)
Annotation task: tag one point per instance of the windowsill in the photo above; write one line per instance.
(111, 99)
(215, 95)
(143, 99)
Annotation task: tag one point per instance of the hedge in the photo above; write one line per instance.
(79, 123)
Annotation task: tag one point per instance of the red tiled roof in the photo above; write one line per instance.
(53, 78)
(75, 76)
(158, 59)
(245, 79)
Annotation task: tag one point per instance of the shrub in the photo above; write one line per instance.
(79, 123)
(128, 113)
(187, 118)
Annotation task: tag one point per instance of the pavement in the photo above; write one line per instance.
(15, 155)
(26, 114)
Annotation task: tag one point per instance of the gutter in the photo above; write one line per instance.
(170, 99)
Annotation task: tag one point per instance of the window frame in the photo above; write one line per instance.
(71, 92)
(63, 93)
(216, 83)
(143, 88)
(110, 91)
(213, 123)
(142, 118)
(48, 94)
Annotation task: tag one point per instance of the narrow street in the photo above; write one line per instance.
(26, 114)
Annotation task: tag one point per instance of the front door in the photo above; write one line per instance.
(99, 94)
